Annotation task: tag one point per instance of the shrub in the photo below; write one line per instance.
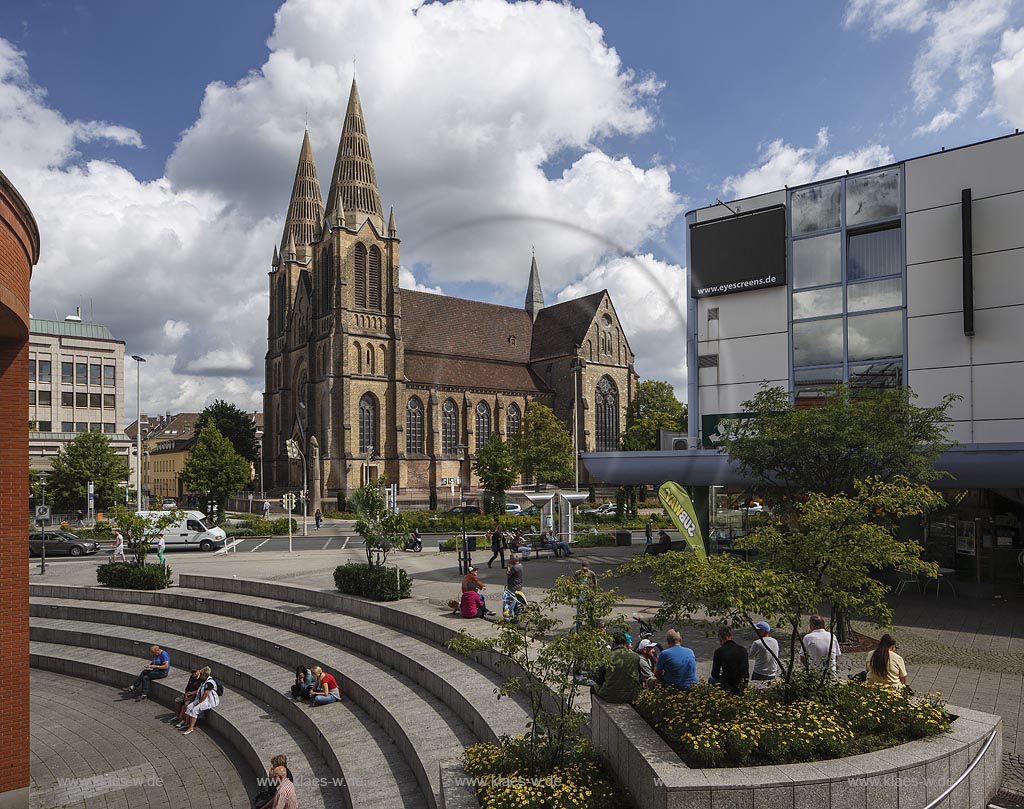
(593, 540)
(103, 530)
(377, 583)
(132, 576)
(709, 727)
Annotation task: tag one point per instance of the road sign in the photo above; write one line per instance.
(288, 501)
(42, 512)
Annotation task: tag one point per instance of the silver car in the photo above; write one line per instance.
(60, 543)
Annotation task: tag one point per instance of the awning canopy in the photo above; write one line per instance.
(970, 466)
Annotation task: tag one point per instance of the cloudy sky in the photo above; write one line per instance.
(156, 143)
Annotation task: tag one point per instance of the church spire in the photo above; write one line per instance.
(392, 228)
(305, 210)
(534, 294)
(354, 181)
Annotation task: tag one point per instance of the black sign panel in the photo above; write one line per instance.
(738, 253)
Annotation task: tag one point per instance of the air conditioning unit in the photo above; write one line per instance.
(669, 441)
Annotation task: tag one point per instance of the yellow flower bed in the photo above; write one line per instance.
(709, 727)
(504, 781)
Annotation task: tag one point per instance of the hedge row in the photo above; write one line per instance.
(376, 583)
(258, 527)
(133, 576)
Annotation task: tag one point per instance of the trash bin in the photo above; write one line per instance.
(623, 537)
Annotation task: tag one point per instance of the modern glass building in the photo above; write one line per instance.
(907, 274)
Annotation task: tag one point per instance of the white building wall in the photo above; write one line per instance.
(987, 370)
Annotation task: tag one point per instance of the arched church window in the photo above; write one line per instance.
(513, 420)
(360, 276)
(367, 424)
(449, 427)
(375, 279)
(414, 427)
(606, 415)
(482, 425)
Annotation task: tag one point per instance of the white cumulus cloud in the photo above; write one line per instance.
(1008, 78)
(780, 164)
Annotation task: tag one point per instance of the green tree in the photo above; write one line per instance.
(140, 531)
(546, 660)
(213, 466)
(543, 446)
(654, 408)
(235, 425)
(382, 530)
(854, 434)
(496, 468)
(88, 456)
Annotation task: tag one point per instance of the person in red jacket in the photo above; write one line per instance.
(326, 689)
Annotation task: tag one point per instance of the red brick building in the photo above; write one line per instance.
(19, 251)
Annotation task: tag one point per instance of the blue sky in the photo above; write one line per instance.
(169, 132)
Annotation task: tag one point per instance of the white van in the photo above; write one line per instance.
(192, 531)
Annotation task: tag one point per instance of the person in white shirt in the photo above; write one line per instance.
(118, 547)
(819, 646)
(765, 653)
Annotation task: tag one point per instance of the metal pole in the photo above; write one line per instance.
(138, 431)
(575, 426)
(289, 515)
(305, 504)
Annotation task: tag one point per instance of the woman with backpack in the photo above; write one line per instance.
(207, 698)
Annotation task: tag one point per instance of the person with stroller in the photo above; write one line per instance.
(513, 600)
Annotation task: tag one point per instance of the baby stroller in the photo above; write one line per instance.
(512, 604)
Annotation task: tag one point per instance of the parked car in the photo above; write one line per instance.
(60, 543)
(468, 509)
(169, 504)
(513, 508)
(603, 510)
(530, 511)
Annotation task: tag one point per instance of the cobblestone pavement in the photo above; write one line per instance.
(92, 750)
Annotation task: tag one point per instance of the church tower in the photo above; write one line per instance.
(534, 294)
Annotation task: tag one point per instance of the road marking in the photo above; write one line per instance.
(328, 542)
(345, 543)
(228, 547)
(264, 542)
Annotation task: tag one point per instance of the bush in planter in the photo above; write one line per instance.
(593, 540)
(133, 576)
(377, 583)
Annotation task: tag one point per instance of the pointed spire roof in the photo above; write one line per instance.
(275, 262)
(534, 294)
(305, 209)
(354, 181)
(338, 215)
(392, 228)
(289, 251)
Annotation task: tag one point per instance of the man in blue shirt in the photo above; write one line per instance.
(677, 665)
(158, 668)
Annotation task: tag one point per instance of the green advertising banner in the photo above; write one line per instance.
(676, 502)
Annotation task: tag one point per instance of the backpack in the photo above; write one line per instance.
(218, 686)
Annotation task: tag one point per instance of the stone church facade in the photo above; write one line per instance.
(373, 380)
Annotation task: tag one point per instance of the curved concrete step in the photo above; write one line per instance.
(256, 730)
(423, 727)
(374, 774)
(466, 685)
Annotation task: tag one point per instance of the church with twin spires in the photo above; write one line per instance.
(371, 379)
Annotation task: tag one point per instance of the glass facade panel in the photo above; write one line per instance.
(108, 375)
(81, 373)
(67, 373)
(874, 254)
(874, 295)
(44, 370)
(81, 427)
(817, 303)
(817, 261)
(31, 396)
(94, 373)
(31, 370)
(108, 400)
(877, 375)
(875, 336)
(872, 197)
(818, 342)
(108, 427)
(815, 209)
(811, 383)
(44, 397)
(46, 426)
(94, 400)
(67, 426)
(81, 400)
(67, 398)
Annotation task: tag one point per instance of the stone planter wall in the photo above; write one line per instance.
(905, 777)
(455, 795)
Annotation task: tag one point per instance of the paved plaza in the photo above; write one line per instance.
(971, 650)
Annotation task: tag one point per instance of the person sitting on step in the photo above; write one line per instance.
(159, 667)
(326, 690)
(304, 682)
(182, 702)
(206, 699)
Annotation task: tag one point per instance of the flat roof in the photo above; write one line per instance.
(70, 328)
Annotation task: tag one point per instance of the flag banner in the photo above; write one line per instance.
(677, 503)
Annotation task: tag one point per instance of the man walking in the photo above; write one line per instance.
(266, 509)
(158, 667)
(497, 545)
(819, 647)
(765, 653)
(729, 665)
(649, 530)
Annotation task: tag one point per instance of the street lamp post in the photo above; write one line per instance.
(138, 430)
(42, 544)
(295, 453)
(465, 560)
(576, 368)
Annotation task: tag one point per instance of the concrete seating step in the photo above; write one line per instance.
(466, 686)
(256, 730)
(373, 773)
(424, 728)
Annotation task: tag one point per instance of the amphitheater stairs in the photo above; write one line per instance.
(408, 703)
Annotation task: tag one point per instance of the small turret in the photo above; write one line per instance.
(392, 228)
(289, 251)
(275, 262)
